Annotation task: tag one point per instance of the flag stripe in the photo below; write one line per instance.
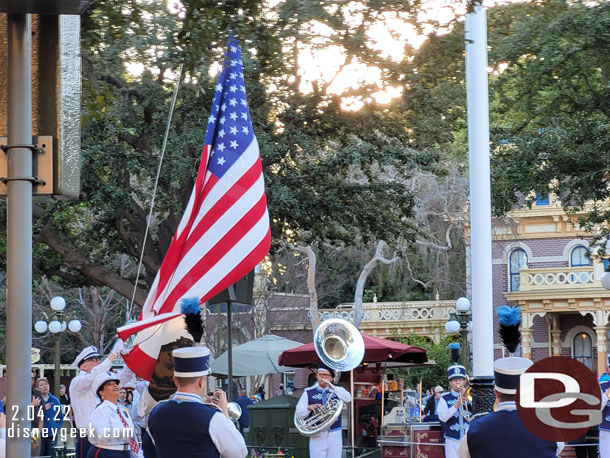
(245, 163)
(201, 245)
(125, 332)
(237, 199)
(214, 190)
(209, 262)
(243, 268)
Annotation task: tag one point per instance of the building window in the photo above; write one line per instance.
(517, 261)
(289, 382)
(582, 349)
(543, 200)
(578, 257)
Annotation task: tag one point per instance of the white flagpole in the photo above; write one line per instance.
(480, 189)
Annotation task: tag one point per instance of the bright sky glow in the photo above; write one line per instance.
(323, 64)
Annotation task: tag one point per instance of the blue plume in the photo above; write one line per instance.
(189, 305)
(508, 316)
(604, 378)
(455, 351)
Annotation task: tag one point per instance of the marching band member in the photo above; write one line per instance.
(184, 426)
(453, 408)
(89, 361)
(111, 426)
(327, 443)
(502, 434)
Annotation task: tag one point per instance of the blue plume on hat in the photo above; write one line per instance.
(509, 319)
(189, 306)
(508, 316)
(455, 351)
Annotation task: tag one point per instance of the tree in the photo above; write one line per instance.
(320, 162)
(430, 376)
(552, 103)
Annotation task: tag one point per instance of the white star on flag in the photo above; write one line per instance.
(234, 144)
(221, 161)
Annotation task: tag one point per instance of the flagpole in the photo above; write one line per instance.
(480, 207)
(154, 194)
(232, 298)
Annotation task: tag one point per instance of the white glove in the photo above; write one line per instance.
(118, 347)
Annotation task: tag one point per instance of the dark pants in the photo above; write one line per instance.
(82, 447)
(95, 452)
(590, 437)
(148, 447)
(46, 446)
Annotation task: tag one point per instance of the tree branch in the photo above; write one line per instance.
(311, 283)
(75, 260)
(366, 271)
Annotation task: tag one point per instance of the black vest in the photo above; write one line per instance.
(181, 429)
(452, 427)
(501, 434)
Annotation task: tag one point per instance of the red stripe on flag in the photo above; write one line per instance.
(212, 257)
(141, 363)
(177, 249)
(220, 208)
(242, 269)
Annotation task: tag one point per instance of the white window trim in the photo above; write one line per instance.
(528, 253)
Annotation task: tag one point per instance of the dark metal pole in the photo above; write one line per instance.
(232, 298)
(230, 353)
(19, 235)
(57, 379)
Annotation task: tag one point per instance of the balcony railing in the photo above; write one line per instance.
(412, 312)
(558, 278)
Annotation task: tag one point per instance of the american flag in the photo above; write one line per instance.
(224, 232)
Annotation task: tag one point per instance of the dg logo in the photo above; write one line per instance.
(559, 399)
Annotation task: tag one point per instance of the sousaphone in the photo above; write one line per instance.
(340, 346)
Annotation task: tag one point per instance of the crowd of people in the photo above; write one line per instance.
(109, 421)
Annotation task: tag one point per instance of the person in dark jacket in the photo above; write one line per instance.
(502, 434)
(432, 404)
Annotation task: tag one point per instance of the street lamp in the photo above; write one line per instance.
(56, 326)
(460, 322)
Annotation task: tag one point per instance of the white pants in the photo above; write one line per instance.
(451, 448)
(604, 444)
(327, 444)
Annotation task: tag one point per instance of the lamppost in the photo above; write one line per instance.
(56, 326)
(460, 322)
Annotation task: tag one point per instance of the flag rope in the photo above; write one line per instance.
(154, 194)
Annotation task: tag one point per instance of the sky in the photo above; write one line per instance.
(389, 36)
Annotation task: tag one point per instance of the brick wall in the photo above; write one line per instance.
(539, 248)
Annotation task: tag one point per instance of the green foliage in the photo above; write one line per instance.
(430, 376)
(552, 121)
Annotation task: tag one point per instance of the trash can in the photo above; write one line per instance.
(272, 428)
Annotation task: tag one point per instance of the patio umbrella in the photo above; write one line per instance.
(257, 357)
(376, 350)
